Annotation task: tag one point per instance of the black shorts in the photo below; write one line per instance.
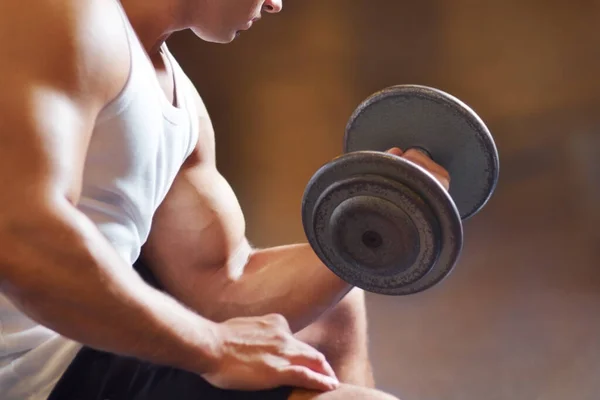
(97, 375)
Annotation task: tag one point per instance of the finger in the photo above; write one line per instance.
(302, 354)
(443, 180)
(438, 172)
(328, 369)
(279, 321)
(421, 161)
(305, 378)
(315, 361)
(421, 158)
(395, 151)
(425, 162)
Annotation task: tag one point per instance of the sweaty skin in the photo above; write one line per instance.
(239, 335)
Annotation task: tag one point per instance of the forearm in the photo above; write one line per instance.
(61, 272)
(288, 280)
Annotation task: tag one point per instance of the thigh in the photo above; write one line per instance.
(345, 392)
(96, 375)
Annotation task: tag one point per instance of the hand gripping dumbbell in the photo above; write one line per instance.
(383, 223)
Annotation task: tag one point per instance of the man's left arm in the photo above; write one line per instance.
(198, 251)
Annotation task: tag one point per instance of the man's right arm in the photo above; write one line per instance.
(63, 62)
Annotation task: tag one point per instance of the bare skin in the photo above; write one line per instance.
(345, 392)
(240, 335)
(342, 336)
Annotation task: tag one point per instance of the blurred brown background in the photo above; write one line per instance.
(520, 316)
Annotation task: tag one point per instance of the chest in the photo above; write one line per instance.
(142, 143)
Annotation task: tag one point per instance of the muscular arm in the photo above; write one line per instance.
(198, 251)
(54, 264)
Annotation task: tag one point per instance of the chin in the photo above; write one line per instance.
(215, 38)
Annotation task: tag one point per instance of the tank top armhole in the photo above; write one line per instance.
(192, 106)
(186, 95)
(194, 112)
(121, 100)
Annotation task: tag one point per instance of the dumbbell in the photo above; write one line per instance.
(383, 223)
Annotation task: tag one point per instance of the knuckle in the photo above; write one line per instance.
(316, 356)
(321, 357)
(278, 319)
(423, 161)
(443, 171)
(414, 152)
(282, 338)
(419, 159)
(415, 160)
(302, 373)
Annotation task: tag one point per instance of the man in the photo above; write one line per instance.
(107, 148)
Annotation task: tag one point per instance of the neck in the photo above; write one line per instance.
(154, 21)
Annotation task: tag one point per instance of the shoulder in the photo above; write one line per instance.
(77, 46)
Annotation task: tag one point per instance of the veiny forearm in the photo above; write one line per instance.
(60, 271)
(288, 280)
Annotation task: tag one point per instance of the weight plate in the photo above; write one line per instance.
(381, 223)
(408, 116)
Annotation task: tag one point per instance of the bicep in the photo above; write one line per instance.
(200, 225)
(198, 229)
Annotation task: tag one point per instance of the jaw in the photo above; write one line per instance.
(222, 38)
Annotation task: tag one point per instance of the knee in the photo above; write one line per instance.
(341, 335)
(345, 392)
(349, 315)
(343, 328)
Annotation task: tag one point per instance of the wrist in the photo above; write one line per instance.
(205, 353)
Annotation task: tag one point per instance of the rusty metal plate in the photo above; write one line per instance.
(381, 223)
(408, 116)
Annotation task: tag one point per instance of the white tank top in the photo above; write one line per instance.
(137, 147)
